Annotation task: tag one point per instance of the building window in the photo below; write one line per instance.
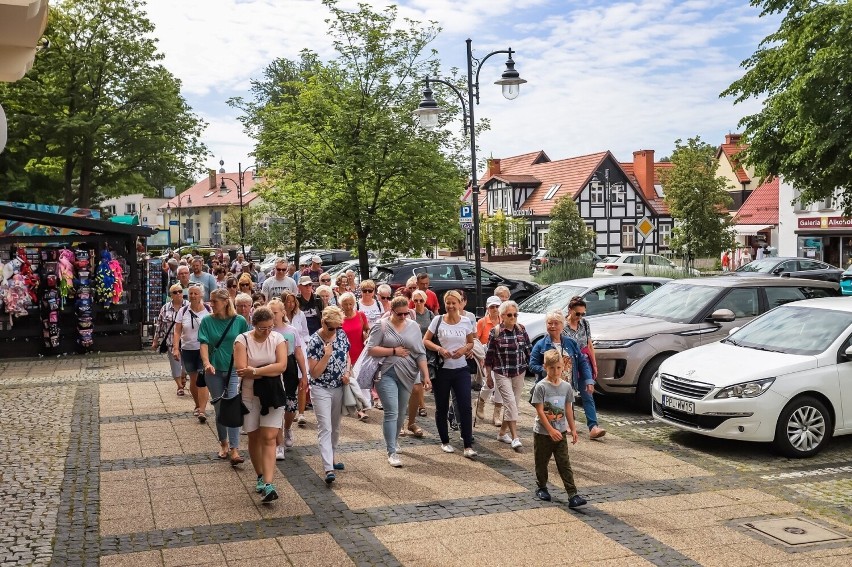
(129, 208)
(216, 227)
(597, 193)
(551, 192)
(665, 235)
(628, 236)
(618, 193)
(109, 210)
(189, 230)
(542, 238)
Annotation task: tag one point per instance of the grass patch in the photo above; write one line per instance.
(563, 272)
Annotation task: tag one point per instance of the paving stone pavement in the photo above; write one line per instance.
(106, 466)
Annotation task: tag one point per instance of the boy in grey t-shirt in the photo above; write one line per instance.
(552, 398)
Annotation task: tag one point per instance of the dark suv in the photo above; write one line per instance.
(542, 260)
(445, 275)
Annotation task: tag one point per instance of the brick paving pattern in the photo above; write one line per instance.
(106, 465)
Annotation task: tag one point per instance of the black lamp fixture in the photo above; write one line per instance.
(428, 114)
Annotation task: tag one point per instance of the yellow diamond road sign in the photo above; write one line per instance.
(645, 227)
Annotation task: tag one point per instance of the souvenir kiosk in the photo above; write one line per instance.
(71, 282)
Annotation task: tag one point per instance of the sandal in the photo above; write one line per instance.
(377, 403)
(363, 416)
(202, 417)
(415, 430)
(180, 392)
(422, 412)
(238, 460)
(222, 455)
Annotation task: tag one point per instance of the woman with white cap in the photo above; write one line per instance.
(483, 329)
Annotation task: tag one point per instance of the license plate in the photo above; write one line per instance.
(598, 269)
(679, 405)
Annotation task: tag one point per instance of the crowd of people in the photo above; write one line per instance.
(300, 340)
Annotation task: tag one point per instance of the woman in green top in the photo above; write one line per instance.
(216, 335)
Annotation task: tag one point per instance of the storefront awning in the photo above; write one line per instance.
(21, 24)
(750, 229)
(125, 219)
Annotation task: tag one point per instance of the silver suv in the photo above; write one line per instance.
(630, 346)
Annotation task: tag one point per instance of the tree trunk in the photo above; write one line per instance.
(86, 170)
(363, 259)
(68, 182)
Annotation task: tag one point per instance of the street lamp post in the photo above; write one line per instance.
(429, 113)
(168, 211)
(241, 173)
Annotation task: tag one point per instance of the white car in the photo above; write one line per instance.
(601, 297)
(633, 264)
(785, 378)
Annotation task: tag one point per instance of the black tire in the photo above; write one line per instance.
(803, 429)
(643, 386)
(626, 275)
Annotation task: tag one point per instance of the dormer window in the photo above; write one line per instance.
(552, 191)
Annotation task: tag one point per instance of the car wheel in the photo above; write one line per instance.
(643, 387)
(626, 274)
(803, 429)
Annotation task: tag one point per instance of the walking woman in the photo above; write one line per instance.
(342, 285)
(506, 356)
(164, 335)
(217, 335)
(483, 330)
(369, 305)
(231, 286)
(330, 368)
(356, 328)
(260, 356)
(296, 362)
(186, 348)
(417, 402)
(297, 319)
(451, 336)
(581, 371)
(577, 328)
(399, 343)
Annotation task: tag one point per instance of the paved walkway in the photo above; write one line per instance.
(105, 464)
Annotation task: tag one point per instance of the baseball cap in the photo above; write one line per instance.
(305, 280)
(316, 259)
(493, 300)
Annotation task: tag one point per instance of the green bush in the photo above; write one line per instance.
(563, 272)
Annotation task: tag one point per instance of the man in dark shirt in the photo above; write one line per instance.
(310, 304)
(314, 270)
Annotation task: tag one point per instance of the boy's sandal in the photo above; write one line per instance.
(415, 430)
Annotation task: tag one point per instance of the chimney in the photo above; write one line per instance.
(211, 175)
(643, 169)
(733, 138)
(493, 167)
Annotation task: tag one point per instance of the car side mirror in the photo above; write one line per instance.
(733, 330)
(777, 271)
(785, 275)
(495, 279)
(722, 316)
(847, 354)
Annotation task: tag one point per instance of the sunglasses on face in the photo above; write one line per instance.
(234, 286)
(401, 313)
(580, 313)
(263, 329)
(280, 269)
(332, 328)
(177, 292)
(511, 315)
(419, 301)
(385, 297)
(367, 290)
(325, 281)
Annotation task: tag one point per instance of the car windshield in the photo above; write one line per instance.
(759, 266)
(675, 302)
(550, 299)
(541, 253)
(610, 259)
(793, 330)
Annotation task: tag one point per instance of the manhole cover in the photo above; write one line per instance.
(795, 531)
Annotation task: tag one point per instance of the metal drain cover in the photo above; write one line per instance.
(795, 531)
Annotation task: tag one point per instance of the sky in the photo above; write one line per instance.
(602, 74)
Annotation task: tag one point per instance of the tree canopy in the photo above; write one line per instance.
(697, 199)
(568, 235)
(339, 135)
(804, 70)
(98, 115)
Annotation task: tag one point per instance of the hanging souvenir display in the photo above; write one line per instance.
(30, 278)
(50, 304)
(105, 280)
(65, 272)
(118, 284)
(83, 305)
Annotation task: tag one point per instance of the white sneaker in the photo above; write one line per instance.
(288, 438)
(300, 419)
(470, 453)
(280, 453)
(447, 448)
(516, 444)
(393, 460)
(243, 431)
(504, 438)
(398, 450)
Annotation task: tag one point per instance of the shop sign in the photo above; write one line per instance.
(823, 223)
(523, 213)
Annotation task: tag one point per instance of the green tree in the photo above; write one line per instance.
(344, 130)
(697, 199)
(803, 73)
(98, 115)
(568, 234)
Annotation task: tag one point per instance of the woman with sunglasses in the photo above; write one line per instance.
(246, 285)
(187, 349)
(231, 286)
(417, 402)
(217, 335)
(325, 281)
(329, 368)
(166, 321)
(221, 277)
(483, 331)
(260, 356)
(577, 328)
(369, 305)
(296, 365)
(455, 336)
(384, 294)
(399, 343)
(357, 329)
(506, 357)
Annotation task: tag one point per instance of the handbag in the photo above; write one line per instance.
(200, 381)
(231, 410)
(163, 346)
(366, 368)
(434, 360)
(587, 352)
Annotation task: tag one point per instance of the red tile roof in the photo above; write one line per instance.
(517, 179)
(761, 207)
(658, 204)
(203, 195)
(731, 150)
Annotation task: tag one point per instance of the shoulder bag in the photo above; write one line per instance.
(434, 360)
(231, 410)
(586, 351)
(366, 368)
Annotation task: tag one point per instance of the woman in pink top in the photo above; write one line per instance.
(356, 327)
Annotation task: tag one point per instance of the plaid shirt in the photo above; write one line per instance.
(508, 351)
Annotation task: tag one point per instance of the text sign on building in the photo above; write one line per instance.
(825, 222)
(645, 227)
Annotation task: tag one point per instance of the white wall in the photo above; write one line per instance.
(788, 218)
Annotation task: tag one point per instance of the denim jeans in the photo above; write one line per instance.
(394, 398)
(456, 380)
(216, 384)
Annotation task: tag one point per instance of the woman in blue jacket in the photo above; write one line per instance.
(581, 370)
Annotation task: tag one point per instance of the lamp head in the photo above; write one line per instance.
(510, 80)
(428, 112)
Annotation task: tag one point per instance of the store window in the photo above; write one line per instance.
(809, 247)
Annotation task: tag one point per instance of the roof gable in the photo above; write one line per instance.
(761, 207)
(203, 195)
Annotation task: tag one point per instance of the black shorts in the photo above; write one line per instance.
(291, 384)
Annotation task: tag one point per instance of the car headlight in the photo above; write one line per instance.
(627, 343)
(746, 389)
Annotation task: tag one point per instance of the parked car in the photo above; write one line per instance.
(601, 297)
(267, 265)
(445, 275)
(846, 282)
(807, 268)
(632, 264)
(681, 315)
(542, 260)
(787, 380)
(353, 265)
